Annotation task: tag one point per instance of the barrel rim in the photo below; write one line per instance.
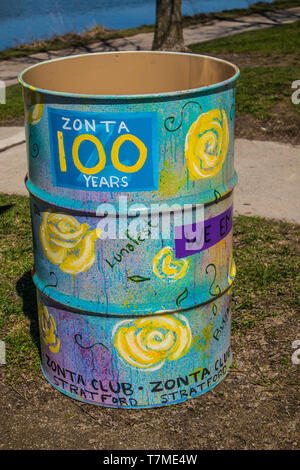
(146, 96)
(65, 305)
(80, 206)
(91, 213)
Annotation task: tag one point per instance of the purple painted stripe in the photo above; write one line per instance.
(199, 236)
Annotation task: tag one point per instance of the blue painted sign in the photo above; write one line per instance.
(104, 152)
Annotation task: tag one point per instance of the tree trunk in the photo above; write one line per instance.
(168, 34)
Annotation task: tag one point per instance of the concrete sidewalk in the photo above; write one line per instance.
(9, 69)
(269, 177)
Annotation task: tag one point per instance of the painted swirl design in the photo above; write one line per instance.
(48, 329)
(68, 243)
(165, 267)
(206, 144)
(148, 342)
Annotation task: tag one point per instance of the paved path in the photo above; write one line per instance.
(269, 177)
(9, 69)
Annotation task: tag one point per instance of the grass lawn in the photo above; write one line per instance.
(13, 110)
(282, 39)
(266, 284)
(269, 63)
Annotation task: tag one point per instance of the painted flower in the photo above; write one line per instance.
(48, 329)
(148, 342)
(206, 144)
(232, 271)
(34, 105)
(165, 267)
(68, 243)
(206, 336)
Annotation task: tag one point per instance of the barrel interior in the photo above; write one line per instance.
(131, 73)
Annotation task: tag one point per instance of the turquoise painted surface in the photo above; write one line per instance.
(175, 115)
(127, 276)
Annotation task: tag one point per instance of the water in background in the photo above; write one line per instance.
(27, 20)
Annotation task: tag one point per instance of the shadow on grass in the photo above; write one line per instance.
(5, 208)
(26, 290)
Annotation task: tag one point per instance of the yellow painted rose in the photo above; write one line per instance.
(166, 267)
(34, 105)
(148, 342)
(232, 271)
(68, 243)
(206, 144)
(48, 329)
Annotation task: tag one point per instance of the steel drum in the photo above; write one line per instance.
(131, 177)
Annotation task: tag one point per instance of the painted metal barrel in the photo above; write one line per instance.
(136, 362)
(131, 177)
